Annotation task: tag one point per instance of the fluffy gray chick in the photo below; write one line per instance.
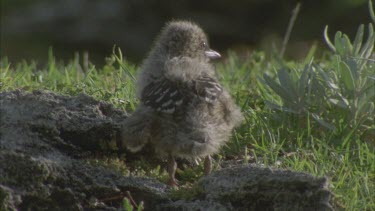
(184, 111)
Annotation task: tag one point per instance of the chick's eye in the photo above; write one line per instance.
(204, 44)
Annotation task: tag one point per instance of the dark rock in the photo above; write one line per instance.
(250, 187)
(45, 138)
(257, 188)
(194, 205)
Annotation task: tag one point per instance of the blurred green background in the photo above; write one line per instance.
(29, 28)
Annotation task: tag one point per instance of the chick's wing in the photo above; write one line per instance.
(207, 88)
(162, 95)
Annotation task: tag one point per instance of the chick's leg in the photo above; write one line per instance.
(172, 166)
(207, 165)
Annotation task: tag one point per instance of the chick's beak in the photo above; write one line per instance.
(211, 54)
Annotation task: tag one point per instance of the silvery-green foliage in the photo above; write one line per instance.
(339, 95)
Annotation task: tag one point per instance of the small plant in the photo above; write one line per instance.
(352, 81)
(129, 204)
(186, 192)
(339, 96)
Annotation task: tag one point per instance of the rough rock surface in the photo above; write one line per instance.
(45, 138)
(266, 189)
(258, 188)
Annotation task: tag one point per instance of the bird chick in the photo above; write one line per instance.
(184, 111)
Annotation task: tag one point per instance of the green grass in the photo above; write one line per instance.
(314, 116)
(271, 137)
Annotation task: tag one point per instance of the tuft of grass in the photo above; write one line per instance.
(113, 83)
(187, 192)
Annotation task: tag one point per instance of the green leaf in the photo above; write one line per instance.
(280, 108)
(368, 89)
(328, 41)
(322, 122)
(372, 108)
(364, 106)
(342, 44)
(338, 43)
(327, 80)
(294, 75)
(279, 90)
(358, 40)
(338, 102)
(369, 46)
(141, 206)
(272, 105)
(287, 83)
(127, 205)
(348, 48)
(347, 76)
(310, 55)
(303, 80)
(342, 98)
(332, 85)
